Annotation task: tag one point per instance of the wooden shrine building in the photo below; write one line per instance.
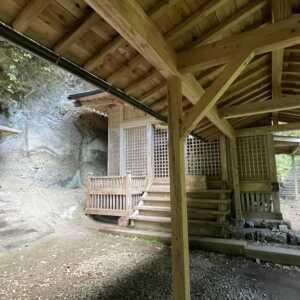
(138, 186)
(209, 69)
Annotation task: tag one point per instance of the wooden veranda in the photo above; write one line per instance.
(205, 66)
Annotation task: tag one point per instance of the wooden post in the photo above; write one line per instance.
(128, 192)
(273, 174)
(294, 167)
(235, 179)
(180, 243)
(224, 167)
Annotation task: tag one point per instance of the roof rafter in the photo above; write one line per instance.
(262, 40)
(242, 14)
(216, 90)
(29, 13)
(268, 129)
(130, 20)
(118, 41)
(243, 110)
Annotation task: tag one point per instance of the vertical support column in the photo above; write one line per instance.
(150, 170)
(224, 166)
(180, 243)
(128, 193)
(235, 179)
(273, 175)
(294, 167)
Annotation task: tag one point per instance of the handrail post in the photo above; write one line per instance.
(88, 191)
(128, 193)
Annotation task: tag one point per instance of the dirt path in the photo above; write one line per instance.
(77, 262)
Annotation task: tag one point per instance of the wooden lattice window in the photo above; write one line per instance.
(201, 158)
(135, 150)
(253, 157)
(160, 153)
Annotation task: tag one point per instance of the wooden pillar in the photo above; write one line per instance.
(294, 168)
(180, 243)
(273, 174)
(224, 166)
(235, 179)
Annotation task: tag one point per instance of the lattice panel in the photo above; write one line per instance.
(253, 157)
(135, 150)
(202, 158)
(160, 153)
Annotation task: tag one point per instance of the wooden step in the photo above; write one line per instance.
(204, 223)
(208, 211)
(156, 198)
(168, 220)
(152, 219)
(211, 191)
(199, 201)
(153, 208)
(166, 189)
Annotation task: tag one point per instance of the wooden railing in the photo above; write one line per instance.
(259, 199)
(114, 195)
(257, 202)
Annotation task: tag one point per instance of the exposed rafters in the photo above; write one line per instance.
(262, 40)
(83, 28)
(216, 90)
(137, 28)
(268, 129)
(243, 110)
(229, 23)
(29, 13)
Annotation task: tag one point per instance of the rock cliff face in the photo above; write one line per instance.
(59, 144)
(43, 169)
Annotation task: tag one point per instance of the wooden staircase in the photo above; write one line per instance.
(207, 210)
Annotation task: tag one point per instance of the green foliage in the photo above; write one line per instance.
(284, 161)
(283, 164)
(22, 74)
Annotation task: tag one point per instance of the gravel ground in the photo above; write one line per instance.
(77, 262)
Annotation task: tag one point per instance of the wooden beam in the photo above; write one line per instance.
(84, 27)
(262, 40)
(194, 19)
(250, 109)
(216, 90)
(98, 59)
(29, 13)
(130, 20)
(118, 41)
(230, 23)
(222, 125)
(267, 129)
(180, 243)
